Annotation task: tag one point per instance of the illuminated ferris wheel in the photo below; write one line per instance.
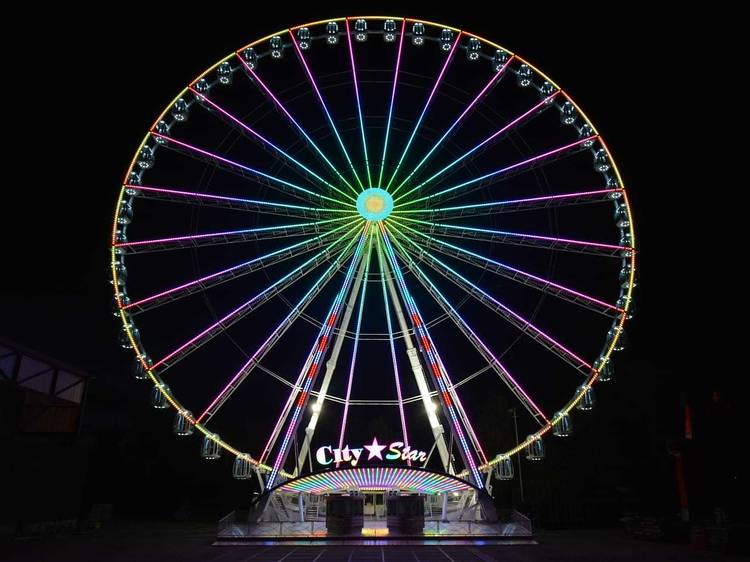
(362, 229)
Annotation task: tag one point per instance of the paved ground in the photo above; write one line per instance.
(166, 543)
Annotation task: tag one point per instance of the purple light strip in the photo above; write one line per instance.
(303, 244)
(515, 315)
(325, 108)
(359, 105)
(318, 349)
(265, 345)
(495, 77)
(521, 235)
(268, 142)
(225, 233)
(394, 361)
(222, 198)
(436, 366)
(237, 310)
(248, 169)
(357, 331)
(531, 160)
(393, 99)
(490, 138)
(501, 265)
(512, 201)
(502, 367)
(289, 116)
(448, 59)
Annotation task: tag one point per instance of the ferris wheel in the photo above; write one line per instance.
(372, 224)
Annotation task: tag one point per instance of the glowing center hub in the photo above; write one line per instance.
(375, 204)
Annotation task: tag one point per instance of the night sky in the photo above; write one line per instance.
(95, 88)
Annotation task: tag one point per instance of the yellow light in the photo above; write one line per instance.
(375, 204)
(374, 532)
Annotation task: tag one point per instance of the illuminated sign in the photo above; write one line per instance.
(396, 451)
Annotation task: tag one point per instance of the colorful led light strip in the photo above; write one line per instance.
(377, 479)
(584, 243)
(393, 99)
(317, 353)
(357, 330)
(439, 79)
(227, 233)
(305, 245)
(492, 81)
(232, 163)
(528, 202)
(505, 128)
(268, 290)
(392, 345)
(516, 387)
(237, 379)
(503, 170)
(294, 122)
(325, 108)
(456, 399)
(359, 104)
(240, 200)
(263, 139)
(544, 282)
(435, 365)
(506, 309)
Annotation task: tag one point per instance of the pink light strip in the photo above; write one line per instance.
(268, 142)
(501, 265)
(289, 116)
(526, 162)
(247, 168)
(448, 59)
(515, 315)
(393, 99)
(301, 57)
(495, 77)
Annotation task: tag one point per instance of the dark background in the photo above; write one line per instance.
(90, 84)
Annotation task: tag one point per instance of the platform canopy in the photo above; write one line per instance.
(406, 479)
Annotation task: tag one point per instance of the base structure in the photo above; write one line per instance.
(383, 505)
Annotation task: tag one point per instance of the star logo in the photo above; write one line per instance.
(375, 450)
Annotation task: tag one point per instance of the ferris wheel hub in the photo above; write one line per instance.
(374, 204)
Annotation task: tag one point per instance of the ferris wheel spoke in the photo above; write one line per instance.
(515, 319)
(522, 239)
(278, 332)
(490, 84)
(312, 365)
(435, 87)
(521, 395)
(323, 105)
(357, 330)
(392, 343)
(234, 203)
(278, 104)
(227, 237)
(359, 104)
(256, 264)
(516, 205)
(228, 320)
(515, 274)
(247, 172)
(393, 100)
(251, 133)
(499, 175)
(428, 343)
(441, 378)
(501, 133)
